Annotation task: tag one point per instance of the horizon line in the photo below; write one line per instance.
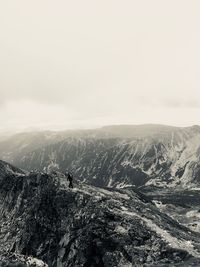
(38, 129)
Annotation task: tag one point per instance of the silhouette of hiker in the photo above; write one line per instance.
(70, 179)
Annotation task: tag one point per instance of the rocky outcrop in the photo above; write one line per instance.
(15, 260)
(41, 218)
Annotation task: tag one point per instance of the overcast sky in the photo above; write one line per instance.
(81, 64)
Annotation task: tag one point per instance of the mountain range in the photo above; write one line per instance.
(113, 156)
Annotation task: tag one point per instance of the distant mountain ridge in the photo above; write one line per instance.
(114, 156)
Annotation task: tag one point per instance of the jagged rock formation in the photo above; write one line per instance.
(7, 169)
(161, 157)
(87, 226)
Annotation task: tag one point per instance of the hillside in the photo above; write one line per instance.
(42, 221)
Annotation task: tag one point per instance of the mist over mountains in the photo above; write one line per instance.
(121, 195)
(114, 156)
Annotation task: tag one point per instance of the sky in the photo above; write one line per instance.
(84, 64)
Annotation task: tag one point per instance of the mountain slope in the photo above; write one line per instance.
(88, 226)
(7, 170)
(153, 155)
(169, 159)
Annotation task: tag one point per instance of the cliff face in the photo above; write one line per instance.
(88, 226)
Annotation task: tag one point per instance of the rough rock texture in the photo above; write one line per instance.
(183, 206)
(16, 260)
(87, 226)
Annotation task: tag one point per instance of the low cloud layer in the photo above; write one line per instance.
(88, 63)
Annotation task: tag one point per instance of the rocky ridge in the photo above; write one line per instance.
(41, 218)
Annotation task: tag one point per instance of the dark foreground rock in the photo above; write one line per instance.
(15, 260)
(44, 222)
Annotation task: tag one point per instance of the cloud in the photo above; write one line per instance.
(99, 60)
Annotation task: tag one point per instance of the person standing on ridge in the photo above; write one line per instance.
(70, 179)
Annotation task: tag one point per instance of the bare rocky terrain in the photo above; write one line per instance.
(43, 222)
